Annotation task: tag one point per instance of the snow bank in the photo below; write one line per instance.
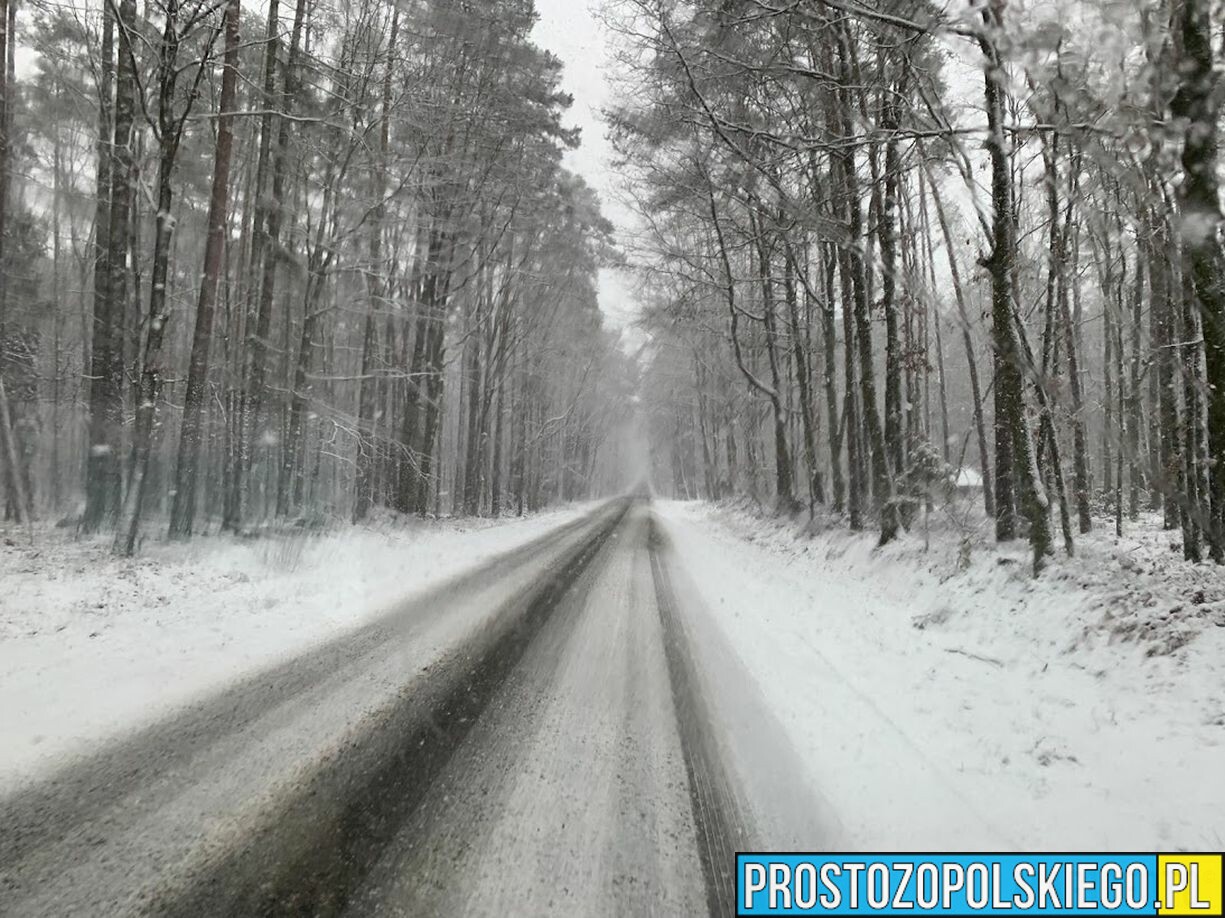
(91, 645)
(942, 698)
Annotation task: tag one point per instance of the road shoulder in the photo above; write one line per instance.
(975, 710)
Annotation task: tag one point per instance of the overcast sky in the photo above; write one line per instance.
(571, 30)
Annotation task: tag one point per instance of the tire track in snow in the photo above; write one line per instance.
(719, 816)
(70, 842)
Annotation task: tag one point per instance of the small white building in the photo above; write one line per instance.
(969, 478)
(968, 481)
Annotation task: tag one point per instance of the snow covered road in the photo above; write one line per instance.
(533, 736)
(570, 795)
(593, 721)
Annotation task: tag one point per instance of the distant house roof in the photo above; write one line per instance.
(969, 478)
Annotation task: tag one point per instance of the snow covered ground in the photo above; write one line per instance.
(928, 696)
(941, 698)
(91, 645)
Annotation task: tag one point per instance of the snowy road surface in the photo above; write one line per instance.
(534, 737)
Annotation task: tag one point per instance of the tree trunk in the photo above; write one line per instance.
(255, 425)
(856, 479)
(1059, 291)
(1161, 334)
(894, 444)
(151, 371)
(816, 492)
(1014, 454)
(104, 476)
(829, 341)
(882, 487)
(1135, 422)
(183, 509)
(376, 289)
(14, 480)
(784, 488)
(1196, 105)
(435, 352)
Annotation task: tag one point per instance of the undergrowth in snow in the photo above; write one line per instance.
(1084, 709)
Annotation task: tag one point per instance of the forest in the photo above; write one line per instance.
(887, 243)
(302, 263)
(293, 263)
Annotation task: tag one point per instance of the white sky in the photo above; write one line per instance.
(570, 29)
